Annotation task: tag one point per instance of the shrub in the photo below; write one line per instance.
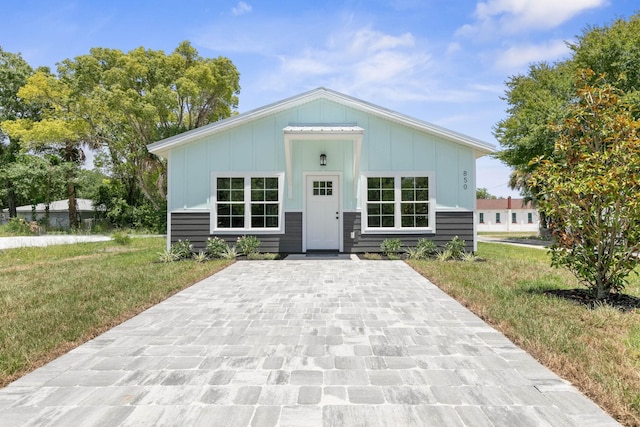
(182, 249)
(456, 247)
(18, 227)
(428, 247)
(415, 253)
(216, 247)
(166, 256)
(391, 247)
(230, 253)
(248, 245)
(121, 238)
(444, 255)
(200, 257)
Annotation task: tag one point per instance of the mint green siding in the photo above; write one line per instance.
(258, 146)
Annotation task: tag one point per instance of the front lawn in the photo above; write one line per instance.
(597, 350)
(53, 299)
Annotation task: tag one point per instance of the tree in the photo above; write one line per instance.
(483, 193)
(142, 96)
(537, 102)
(14, 72)
(590, 187)
(61, 129)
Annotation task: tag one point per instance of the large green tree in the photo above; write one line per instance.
(590, 187)
(139, 97)
(538, 100)
(61, 127)
(14, 72)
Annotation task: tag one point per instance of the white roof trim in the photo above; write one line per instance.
(161, 148)
(316, 132)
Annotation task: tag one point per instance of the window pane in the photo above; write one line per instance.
(387, 182)
(421, 208)
(422, 182)
(237, 222)
(223, 195)
(237, 183)
(237, 210)
(373, 209)
(257, 195)
(388, 209)
(422, 221)
(407, 208)
(407, 221)
(422, 195)
(373, 195)
(373, 183)
(388, 195)
(408, 195)
(223, 183)
(408, 182)
(271, 222)
(272, 210)
(257, 209)
(257, 221)
(237, 195)
(271, 195)
(374, 221)
(224, 222)
(257, 183)
(224, 209)
(387, 221)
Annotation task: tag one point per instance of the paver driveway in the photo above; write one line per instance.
(300, 343)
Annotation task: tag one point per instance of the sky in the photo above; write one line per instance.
(442, 61)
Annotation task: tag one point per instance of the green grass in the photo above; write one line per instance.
(54, 298)
(597, 350)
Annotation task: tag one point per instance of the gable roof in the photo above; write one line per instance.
(500, 204)
(162, 147)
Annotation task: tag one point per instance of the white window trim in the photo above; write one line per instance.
(397, 201)
(247, 203)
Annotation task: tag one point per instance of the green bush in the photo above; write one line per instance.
(182, 249)
(456, 247)
(391, 247)
(216, 247)
(427, 247)
(248, 245)
(19, 227)
(121, 238)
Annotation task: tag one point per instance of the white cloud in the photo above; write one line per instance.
(518, 56)
(241, 8)
(513, 16)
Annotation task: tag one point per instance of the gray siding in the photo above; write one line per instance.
(194, 226)
(448, 225)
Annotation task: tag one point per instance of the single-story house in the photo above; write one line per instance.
(507, 215)
(321, 171)
(58, 212)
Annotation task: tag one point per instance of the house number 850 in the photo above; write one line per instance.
(465, 180)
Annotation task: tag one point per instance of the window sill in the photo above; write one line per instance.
(398, 231)
(244, 231)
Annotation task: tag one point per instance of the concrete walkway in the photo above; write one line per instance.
(47, 240)
(300, 343)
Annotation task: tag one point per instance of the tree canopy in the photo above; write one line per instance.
(539, 100)
(116, 103)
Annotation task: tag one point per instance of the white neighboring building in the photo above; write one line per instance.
(506, 215)
(58, 212)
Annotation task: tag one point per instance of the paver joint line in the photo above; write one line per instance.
(311, 342)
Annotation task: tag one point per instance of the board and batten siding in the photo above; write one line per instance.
(448, 225)
(194, 226)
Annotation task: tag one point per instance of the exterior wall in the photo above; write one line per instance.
(448, 225)
(506, 225)
(259, 146)
(194, 226)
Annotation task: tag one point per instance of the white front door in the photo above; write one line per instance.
(323, 212)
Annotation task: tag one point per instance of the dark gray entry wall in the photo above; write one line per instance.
(448, 225)
(194, 226)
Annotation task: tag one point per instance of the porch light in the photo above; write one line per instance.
(323, 159)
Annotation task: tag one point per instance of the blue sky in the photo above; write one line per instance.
(442, 61)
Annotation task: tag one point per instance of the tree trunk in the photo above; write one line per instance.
(73, 211)
(11, 199)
